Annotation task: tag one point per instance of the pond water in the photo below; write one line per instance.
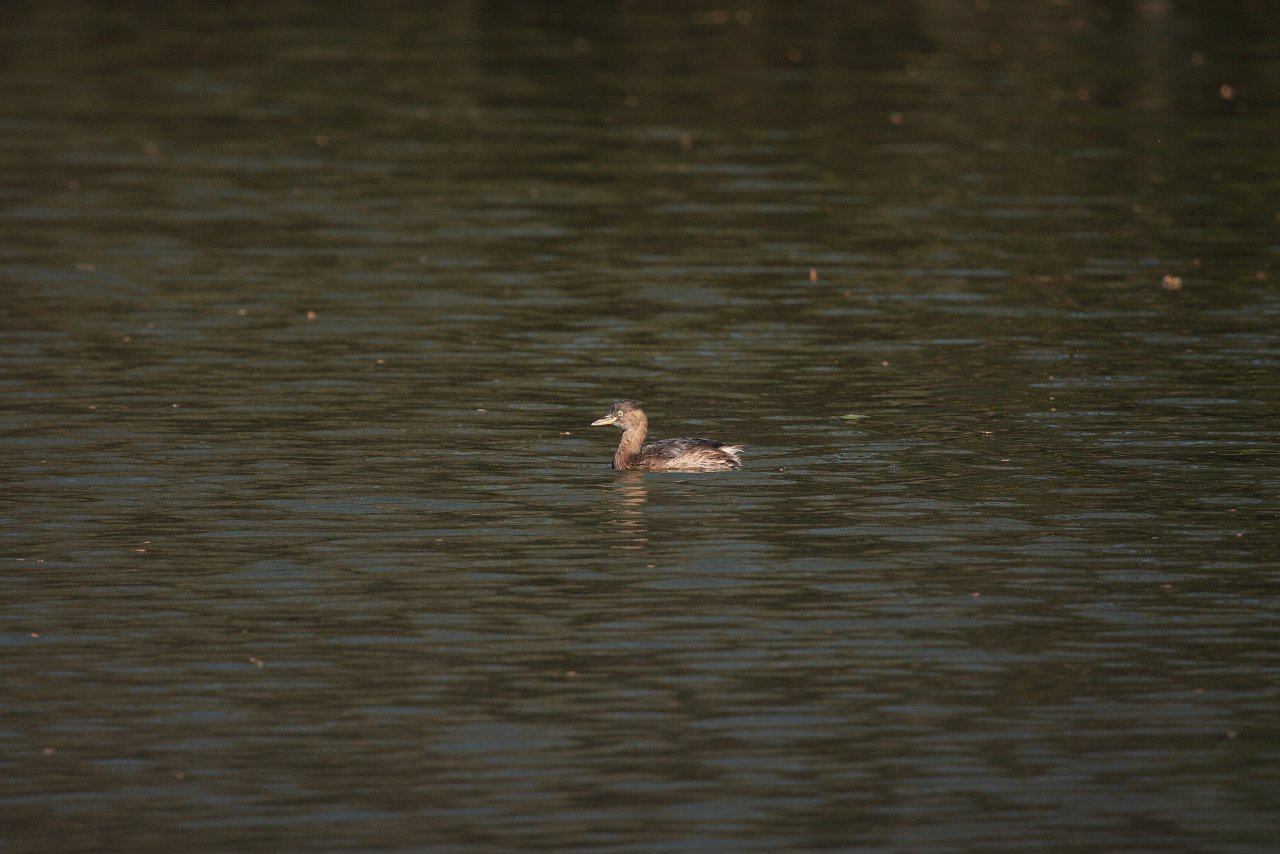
(307, 544)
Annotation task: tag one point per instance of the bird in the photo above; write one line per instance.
(683, 454)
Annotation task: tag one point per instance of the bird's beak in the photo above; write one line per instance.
(608, 419)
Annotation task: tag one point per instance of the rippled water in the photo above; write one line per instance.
(307, 544)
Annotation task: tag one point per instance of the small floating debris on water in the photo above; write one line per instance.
(1171, 283)
(311, 315)
(813, 274)
(852, 416)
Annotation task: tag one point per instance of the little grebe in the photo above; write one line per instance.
(667, 455)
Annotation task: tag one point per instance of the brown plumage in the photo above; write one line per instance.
(667, 455)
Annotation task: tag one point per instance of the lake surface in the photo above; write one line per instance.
(307, 544)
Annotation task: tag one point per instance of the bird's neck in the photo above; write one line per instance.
(632, 441)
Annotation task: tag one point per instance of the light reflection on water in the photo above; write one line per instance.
(309, 543)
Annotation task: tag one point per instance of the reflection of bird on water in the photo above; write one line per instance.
(629, 498)
(667, 455)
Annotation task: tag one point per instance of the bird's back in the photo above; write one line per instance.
(688, 454)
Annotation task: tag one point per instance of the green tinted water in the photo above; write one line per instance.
(307, 542)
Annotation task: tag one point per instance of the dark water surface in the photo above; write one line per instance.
(306, 543)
